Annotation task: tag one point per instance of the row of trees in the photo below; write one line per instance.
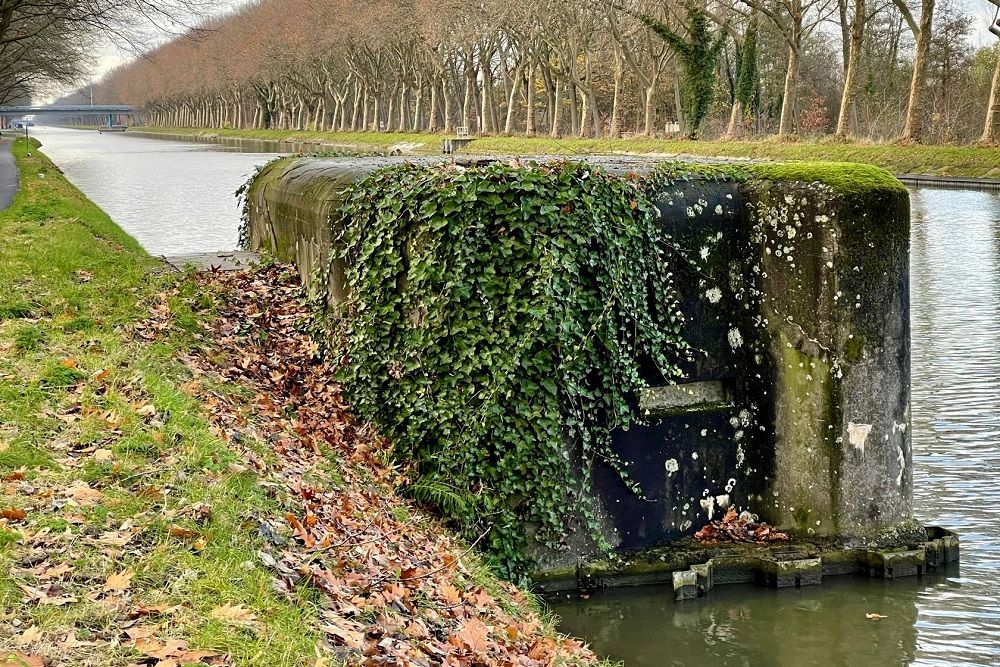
(578, 68)
(46, 43)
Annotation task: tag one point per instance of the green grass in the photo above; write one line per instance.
(73, 382)
(967, 161)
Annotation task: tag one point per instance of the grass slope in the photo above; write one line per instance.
(100, 443)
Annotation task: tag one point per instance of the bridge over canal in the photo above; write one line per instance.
(105, 114)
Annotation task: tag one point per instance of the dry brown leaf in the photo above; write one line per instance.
(872, 616)
(472, 635)
(44, 597)
(234, 613)
(13, 514)
(141, 632)
(20, 660)
(350, 638)
(119, 581)
(103, 455)
(117, 538)
(84, 495)
(172, 648)
(29, 636)
(55, 572)
(183, 533)
(147, 410)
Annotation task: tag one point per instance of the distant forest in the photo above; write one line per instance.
(867, 69)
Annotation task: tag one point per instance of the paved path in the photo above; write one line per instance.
(8, 174)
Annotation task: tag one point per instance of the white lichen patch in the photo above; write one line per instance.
(708, 504)
(735, 338)
(858, 434)
(671, 466)
(714, 295)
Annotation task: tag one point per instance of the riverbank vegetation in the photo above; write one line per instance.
(965, 161)
(733, 68)
(181, 482)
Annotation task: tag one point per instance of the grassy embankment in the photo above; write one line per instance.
(131, 521)
(968, 161)
(103, 455)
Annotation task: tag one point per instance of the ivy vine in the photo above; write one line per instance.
(501, 320)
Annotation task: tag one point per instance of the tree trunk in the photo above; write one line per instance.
(529, 96)
(649, 98)
(735, 120)
(554, 128)
(615, 130)
(787, 125)
(915, 107)
(991, 132)
(853, 63)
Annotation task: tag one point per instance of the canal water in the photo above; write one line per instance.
(177, 197)
(173, 197)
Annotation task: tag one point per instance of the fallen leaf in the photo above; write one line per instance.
(20, 660)
(120, 581)
(147, 410)
(69, 362)
(183, 533)
(872, 616)
(350, 638)
(13, 514)
(29, 636)
(103, 455)
(234, 613)
(472, 635)
(141, 632)
(154, 649)
(84, 495)
(117, 538)
(55, 572)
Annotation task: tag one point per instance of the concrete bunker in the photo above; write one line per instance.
(793, 280)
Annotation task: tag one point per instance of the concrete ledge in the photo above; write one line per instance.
(693, 569)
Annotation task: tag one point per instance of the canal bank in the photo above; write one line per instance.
(157, 506)
(918, 160)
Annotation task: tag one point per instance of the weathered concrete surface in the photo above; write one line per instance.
(795, 289)
(9, 178)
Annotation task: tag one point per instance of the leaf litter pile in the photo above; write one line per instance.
(396, 588)
(739, 528)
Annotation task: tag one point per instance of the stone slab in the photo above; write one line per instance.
(682, 398)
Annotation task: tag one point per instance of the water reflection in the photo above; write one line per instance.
(951, 618)
(173, 197)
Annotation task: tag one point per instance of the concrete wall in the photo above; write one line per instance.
(794, 281)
